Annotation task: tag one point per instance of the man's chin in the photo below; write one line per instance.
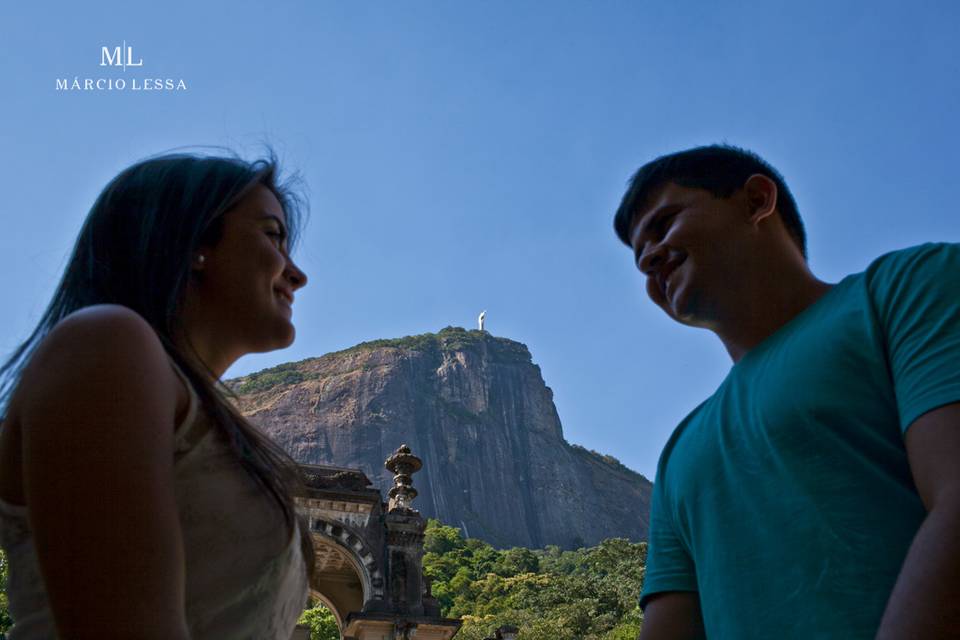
(682, 318)
(683, 312)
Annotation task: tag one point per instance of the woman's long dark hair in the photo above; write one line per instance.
(136, 248)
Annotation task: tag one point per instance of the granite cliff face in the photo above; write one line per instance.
(476, 410)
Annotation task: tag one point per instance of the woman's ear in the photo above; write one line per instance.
(761, 195)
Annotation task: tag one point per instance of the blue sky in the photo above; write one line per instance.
(469, 155)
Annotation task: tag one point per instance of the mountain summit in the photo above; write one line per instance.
(476, 410)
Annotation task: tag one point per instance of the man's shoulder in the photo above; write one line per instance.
(927, 254)
(914, 275)
(678, 432)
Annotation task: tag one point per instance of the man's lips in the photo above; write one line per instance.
(663, 276)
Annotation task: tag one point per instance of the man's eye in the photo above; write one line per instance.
(665, 222)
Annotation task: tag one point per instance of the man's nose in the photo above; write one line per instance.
(651, 258)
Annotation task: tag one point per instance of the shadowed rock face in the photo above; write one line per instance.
(476, 410)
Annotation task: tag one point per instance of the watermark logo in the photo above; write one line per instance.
(113, 57)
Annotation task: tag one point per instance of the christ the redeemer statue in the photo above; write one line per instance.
(483, 314)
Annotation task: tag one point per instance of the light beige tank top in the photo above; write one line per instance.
(245, 574)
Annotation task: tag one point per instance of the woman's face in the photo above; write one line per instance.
(246, 283)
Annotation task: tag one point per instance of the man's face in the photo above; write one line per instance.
(693, 248)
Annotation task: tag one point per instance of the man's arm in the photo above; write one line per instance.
(923, 603)
(674, 615)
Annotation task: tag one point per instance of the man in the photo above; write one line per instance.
(816, 493)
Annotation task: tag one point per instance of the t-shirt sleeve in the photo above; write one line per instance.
(669, 565)
(916, 293)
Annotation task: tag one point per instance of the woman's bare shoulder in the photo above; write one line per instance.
(101, 322)
(96, 345)
(97, 457)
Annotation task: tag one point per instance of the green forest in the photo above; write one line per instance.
(550, 594)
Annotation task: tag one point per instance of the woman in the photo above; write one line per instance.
(135, 501)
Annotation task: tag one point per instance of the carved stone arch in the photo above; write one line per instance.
(347, 574)
(368, 554)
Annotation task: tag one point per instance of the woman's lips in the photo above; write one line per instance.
(285, 297)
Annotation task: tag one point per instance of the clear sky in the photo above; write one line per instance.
(468, 155)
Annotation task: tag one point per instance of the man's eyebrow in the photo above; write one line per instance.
(283, 228)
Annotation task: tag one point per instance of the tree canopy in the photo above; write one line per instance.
(550, 594)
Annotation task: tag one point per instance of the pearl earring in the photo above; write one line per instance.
(201, 258)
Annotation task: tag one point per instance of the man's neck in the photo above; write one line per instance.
(772, 302)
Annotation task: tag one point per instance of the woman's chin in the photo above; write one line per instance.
(281, 337)
(288, 337)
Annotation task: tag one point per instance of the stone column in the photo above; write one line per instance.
(408, 613)
(405, 527)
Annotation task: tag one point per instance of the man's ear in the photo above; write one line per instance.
(761, 194)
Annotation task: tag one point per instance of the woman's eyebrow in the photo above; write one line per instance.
(283, 228)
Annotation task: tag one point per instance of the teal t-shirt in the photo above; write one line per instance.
(786, 499)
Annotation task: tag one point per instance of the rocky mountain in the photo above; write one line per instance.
(476, 410)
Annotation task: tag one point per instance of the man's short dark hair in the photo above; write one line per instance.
(721, 170)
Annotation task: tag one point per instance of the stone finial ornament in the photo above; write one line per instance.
(403, 464)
